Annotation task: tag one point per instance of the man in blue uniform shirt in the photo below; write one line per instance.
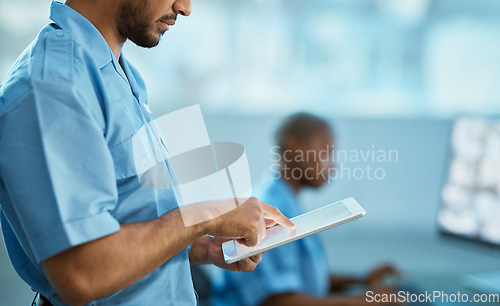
(296, 273)
(78, 226)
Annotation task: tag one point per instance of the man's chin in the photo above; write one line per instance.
(146, 42)
(316, 184)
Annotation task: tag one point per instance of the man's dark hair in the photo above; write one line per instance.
(300, 126)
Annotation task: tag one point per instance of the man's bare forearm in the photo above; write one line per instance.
(298, 299)
(198, 255)
(340, 282)
(104, 266)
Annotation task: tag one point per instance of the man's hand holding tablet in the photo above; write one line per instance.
(249, 222)
(305, 225)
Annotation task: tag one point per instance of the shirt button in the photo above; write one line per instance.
(144, 160)
(60, 34)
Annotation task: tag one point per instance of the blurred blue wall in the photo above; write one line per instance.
(362, 57)
(406, 198)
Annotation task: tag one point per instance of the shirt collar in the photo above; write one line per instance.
(83, 31)
(130, 77)
(288, 193)
(284, 187)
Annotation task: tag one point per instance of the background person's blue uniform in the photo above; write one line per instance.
(68, 112)
(300, 266)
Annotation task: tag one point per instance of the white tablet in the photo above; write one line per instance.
(307, 224)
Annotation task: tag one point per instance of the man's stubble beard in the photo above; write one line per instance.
(133, 24)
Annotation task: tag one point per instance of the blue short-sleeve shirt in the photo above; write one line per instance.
(299, 266)
(69, 114)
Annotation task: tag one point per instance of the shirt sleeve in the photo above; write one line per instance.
(57, 169)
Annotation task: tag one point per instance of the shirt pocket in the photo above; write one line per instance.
(142, 155)
(129, 160)
(142, 177)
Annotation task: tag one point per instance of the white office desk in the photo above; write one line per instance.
(435, 263)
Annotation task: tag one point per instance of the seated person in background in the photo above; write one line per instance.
(296, 273)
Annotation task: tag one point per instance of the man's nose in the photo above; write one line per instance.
(182, 7)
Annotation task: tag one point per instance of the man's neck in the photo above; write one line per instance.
(296, 185)
(103, 16)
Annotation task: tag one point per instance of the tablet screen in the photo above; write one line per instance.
(306, 224)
